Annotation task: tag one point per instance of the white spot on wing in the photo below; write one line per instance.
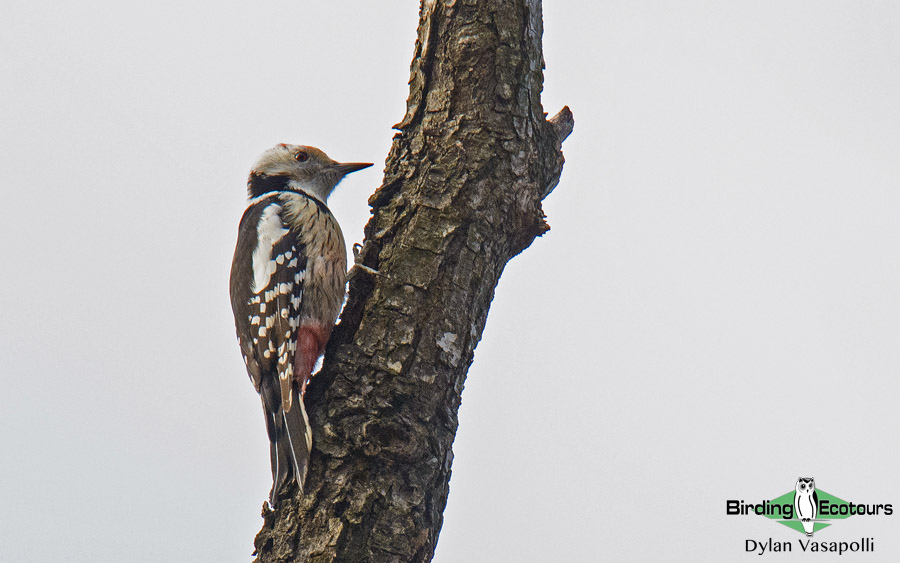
(269, 231)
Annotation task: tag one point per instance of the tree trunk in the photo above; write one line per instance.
(462, 194)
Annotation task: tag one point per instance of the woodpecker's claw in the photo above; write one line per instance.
(366, 269)
(361, 267)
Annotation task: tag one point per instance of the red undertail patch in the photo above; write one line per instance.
(310, 345)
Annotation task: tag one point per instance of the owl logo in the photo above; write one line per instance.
(806, 503)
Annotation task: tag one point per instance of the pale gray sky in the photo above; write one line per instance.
(715, 312)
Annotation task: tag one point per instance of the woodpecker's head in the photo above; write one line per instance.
(298, 168)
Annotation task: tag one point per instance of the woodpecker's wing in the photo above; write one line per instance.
(280, 311)
(266, 290)
(241, 286)
(267, 278)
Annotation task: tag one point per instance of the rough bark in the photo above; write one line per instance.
(462, 194)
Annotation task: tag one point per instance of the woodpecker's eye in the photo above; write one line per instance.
(301, 156)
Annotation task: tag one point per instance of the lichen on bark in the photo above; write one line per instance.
(472, 160)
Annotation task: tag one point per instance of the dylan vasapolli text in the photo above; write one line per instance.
(840, 547)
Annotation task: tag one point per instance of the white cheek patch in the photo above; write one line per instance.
(269, 231)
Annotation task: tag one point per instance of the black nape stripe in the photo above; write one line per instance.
(260, 184)
(320, 207)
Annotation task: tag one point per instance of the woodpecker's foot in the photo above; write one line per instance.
(366, 269)
(357, 248)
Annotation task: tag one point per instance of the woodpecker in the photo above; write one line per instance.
(287, 287)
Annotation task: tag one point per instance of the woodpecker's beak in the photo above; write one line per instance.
(344, 168)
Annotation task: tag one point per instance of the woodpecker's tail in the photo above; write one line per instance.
(290, 438)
